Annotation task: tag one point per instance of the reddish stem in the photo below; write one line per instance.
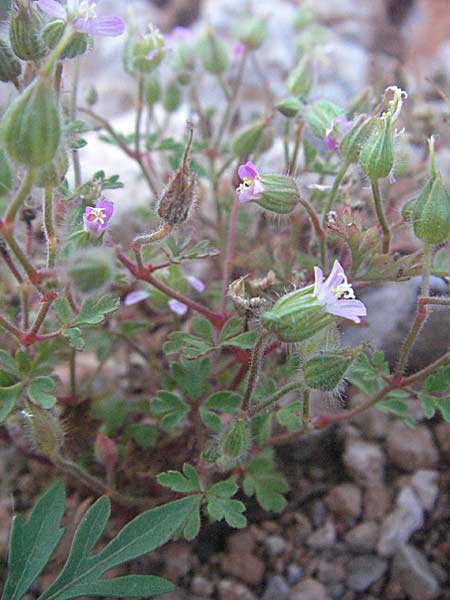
(229, 254)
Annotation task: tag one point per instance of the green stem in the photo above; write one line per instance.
(254, 371)
(298, 139)
(20, 198)
(73, 116)
(49, 229)
(273, 399)
(40, 317)
(139, 107)
(380, 214)
(286, 135)
(426, 268)
(58, 49)
(73, 373)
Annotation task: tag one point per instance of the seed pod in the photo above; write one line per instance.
(173, 96)
(25, 26)
(235, 441)
(31, 126)
(350, 146)
(152, 90)
(10, 67)
(247, 139)
(377, 153)
(52, 174)
(252, 32)
(289, 107)
(297, 316)
(213, 53)
(301, 79)
(320, 116)
(45, 430)
(326, 371)
(91, 270)
(280, 193)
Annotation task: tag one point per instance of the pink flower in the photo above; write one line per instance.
(83, 15)
(177, 307)
(337, 295)
(237, 52)
(135, 297)
(178, 35)
(251, 187)
(339, 125)
(96, 218)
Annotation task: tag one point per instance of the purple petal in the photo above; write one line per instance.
(177, 307)
(336, 277)
(349, 309)
(135, 297)
(248, 170)
(107, 25)
(258, 187)
(53, 8)
(318, 280)
(245, 194)
(196, 283)
(108, 208)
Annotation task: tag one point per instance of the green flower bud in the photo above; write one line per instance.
(92, 269)
(10, 67)
(431, 209)
(45, 429)
(51, 174)
(289, 107)
(350, 146)
(252, 32)
(407, 209)
(248, 138)
(326, 371)
(280, 194)
(297, 316)
(142, 54)
(213, 53)
(377, 153)
(25, 26)
(301, 79)
(235, 441)
(183, 62)
(320, 116)
(52, 34)
(173, 96)
(152, 90)
(31, 126)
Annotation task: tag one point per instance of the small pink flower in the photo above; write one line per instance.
(237, 52)
(337, 295)
(339, 125)
(135, 297)
(177, 307)
(83, 15)
(251, 187)
(96, 218)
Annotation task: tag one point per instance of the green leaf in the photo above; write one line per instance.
(438, 382)
(112, 411)
(81, 575)
(428, 404)
(190, 345)
(185, 482)
(193, 522)
(219, 504)
(74, 337)
(93, 311)
(9, 364)
(245, 341)
(263, 479)
(201, 250)
(143, 434)
(443, 405)
(132, 328)
(203, 328)
(223, 402)
(192, 376)
(61, 307)
(169, 408)
(39, 389)
(290, 416)
(8, 397)
(24, 363)
(32, 542)
(230, 329)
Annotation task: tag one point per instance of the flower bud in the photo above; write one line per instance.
(105, 451)
(25, 26)
(431, 209)
(252, 32)
(234, 441)
(213, 53)
(91, 96)
(91, 270)
(407, 209)
(10, 67)
(377, 153)
(351, 143)
(301, 79)
(152, 90)
(247, 138)
(45, 430)
(52, 174)
(142, 54)
(289, 107)
(52, 34)
(31, 126)
(173, 96)
(280, 194)
(326, 371)
(320, 116)
(296, 316)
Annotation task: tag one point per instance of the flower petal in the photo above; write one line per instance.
(196, 283)
(135, 297)
(248, 170)
(336, 277)
(318, 280)
(177, 307)
(108, 208)
(53, 8)
(107, 25)
(349, 309)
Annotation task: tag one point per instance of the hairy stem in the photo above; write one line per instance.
(20, 198)
(380, 215)
(255, 366)
(49, 229)
(270, 402)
